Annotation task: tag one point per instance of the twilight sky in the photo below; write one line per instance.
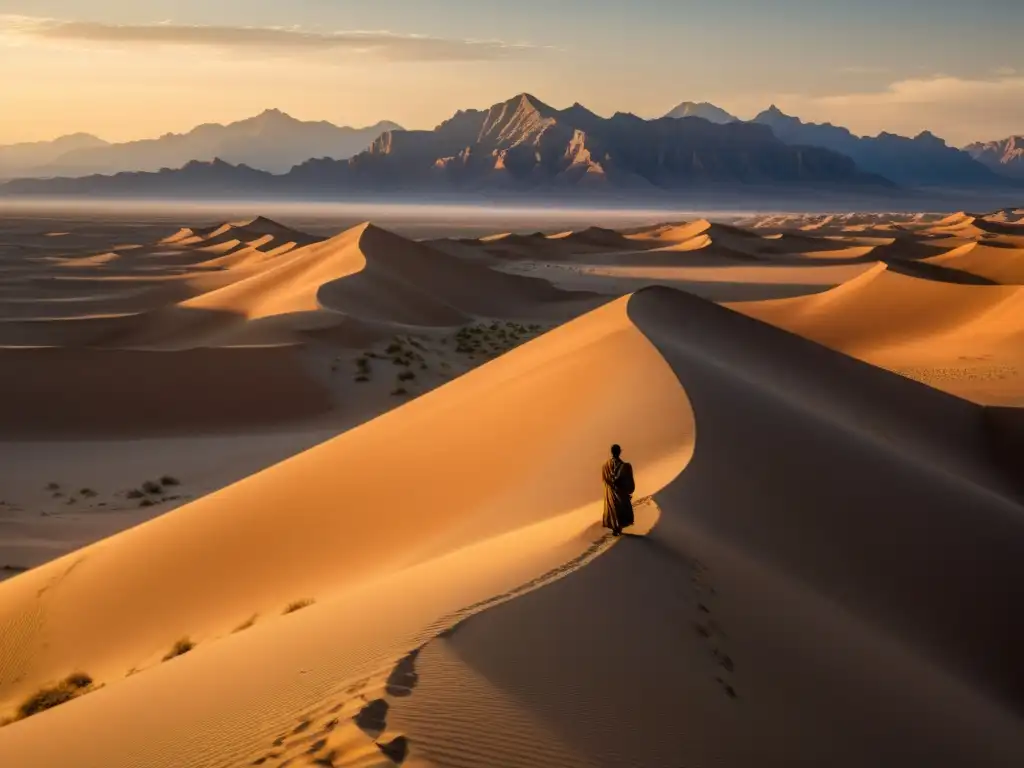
(124, 69)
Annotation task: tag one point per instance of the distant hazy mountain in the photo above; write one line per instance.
(271, 141)
(20, 159)
(214, 178)
(522, 145)
(702, 109)
(924, 160)
(1005, 157)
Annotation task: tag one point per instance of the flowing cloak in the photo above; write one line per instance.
(618, 485)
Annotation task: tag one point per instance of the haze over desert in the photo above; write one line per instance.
(511, 385)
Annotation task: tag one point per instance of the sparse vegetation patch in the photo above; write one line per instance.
(247, 623)
(180, 648)
(73, 686)
(298, 605)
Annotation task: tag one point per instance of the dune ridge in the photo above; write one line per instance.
(764, 570)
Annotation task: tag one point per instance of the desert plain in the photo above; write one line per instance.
(330, 496)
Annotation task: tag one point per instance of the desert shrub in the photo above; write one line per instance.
(394, 348)
(406, 376)
(152, 487)
(399, 391)
(247, 623)
(78, 680)
(135, 493)
(298, 605)
(46, 698)
(169, 480)
(147, 503)
(180, 648)
(362, 378)
(89, 493)
(363, 364)
(52, 486)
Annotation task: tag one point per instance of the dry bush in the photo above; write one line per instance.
(180, 648)
(247, 623)
(167, 480)
(152, 487)
(298, 605)
(72, 686)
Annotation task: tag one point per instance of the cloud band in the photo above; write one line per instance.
(386, 45)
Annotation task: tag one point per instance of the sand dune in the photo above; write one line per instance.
(826, 557)
(960, 338)
(365, 274)
(791, 618)
(999, 264)
(502, 487)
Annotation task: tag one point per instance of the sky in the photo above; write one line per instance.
(123, 69)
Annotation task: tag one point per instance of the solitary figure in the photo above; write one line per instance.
(618, 490)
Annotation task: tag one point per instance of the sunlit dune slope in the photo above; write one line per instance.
(961, 338)
(510, 445)
(364, 274)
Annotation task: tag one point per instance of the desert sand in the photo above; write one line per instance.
(276, 497)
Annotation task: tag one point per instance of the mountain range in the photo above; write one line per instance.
(518, 145)
(1005, 156)
(924, 160)
(271, 141)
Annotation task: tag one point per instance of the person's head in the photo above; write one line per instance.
(616, 450)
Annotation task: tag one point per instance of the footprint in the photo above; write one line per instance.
(373, 717)
(303, 726)
(395, 750)
(403, 677)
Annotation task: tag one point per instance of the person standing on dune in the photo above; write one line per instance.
(618, 490)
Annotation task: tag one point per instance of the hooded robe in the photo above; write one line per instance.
(618, 488)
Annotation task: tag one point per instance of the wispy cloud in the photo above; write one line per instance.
(960, 109)
(937, 89)
(381, 44)
(863, 69)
